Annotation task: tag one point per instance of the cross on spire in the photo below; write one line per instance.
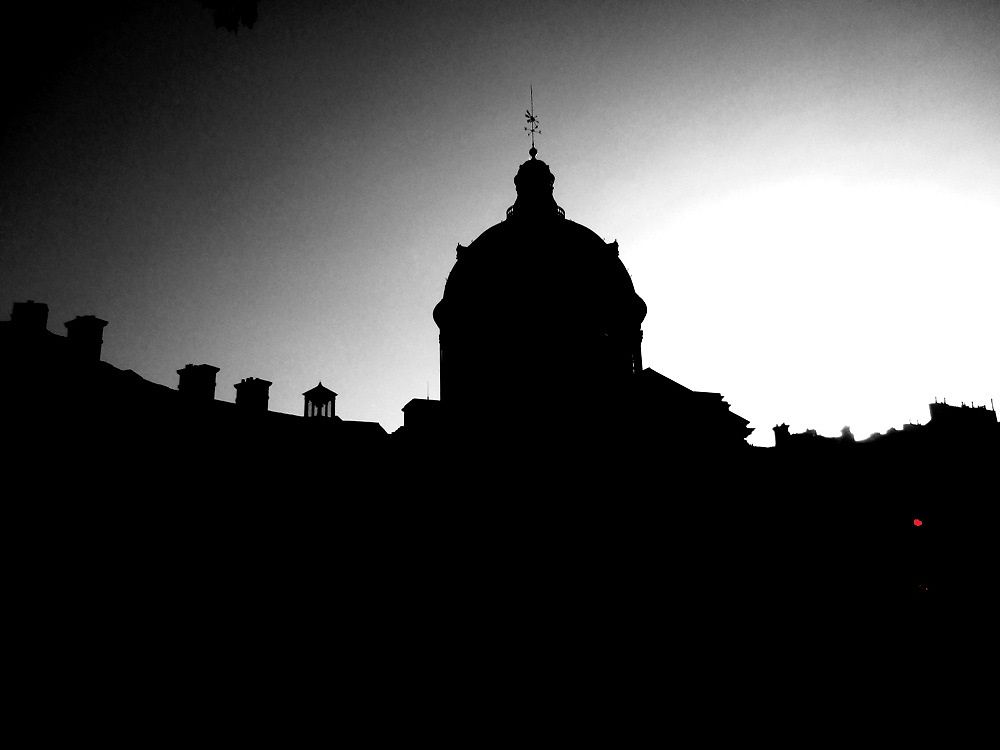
(533, 122)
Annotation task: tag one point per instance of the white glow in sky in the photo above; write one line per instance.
(826, 303)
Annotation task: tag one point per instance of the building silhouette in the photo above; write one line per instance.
(541, 341)
(950, 429)
(58, 390)
(915, 499)
(552, 437)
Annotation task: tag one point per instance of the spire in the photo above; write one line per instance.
(532, 122)
(534, 180)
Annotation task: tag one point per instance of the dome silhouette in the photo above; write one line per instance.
(538, 306)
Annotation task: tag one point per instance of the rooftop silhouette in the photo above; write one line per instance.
(547, 412)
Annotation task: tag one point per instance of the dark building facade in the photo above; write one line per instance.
(541, 338)
(950, 428)
(913, 504)
(550, 431)
(58, 395)
(540, 343)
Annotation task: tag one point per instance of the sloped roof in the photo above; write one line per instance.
(319, 391)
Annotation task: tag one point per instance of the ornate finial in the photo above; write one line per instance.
(533, 122)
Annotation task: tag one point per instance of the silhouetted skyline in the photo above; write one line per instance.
(807, 195)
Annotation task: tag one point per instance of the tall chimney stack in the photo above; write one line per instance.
(252, 394)
(197, 382)
(86, 337)
(30, 316)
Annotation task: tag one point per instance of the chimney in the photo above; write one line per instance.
(86, 336)
(197, 382)
(30, 316)
(252, 394)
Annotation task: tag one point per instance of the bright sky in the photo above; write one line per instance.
(807, 194)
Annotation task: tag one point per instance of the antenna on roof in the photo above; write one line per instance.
(428, 390)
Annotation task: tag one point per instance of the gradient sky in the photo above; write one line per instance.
(807, 194)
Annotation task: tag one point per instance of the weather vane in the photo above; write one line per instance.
(532, 119)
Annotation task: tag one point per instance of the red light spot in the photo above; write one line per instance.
(917, 522)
